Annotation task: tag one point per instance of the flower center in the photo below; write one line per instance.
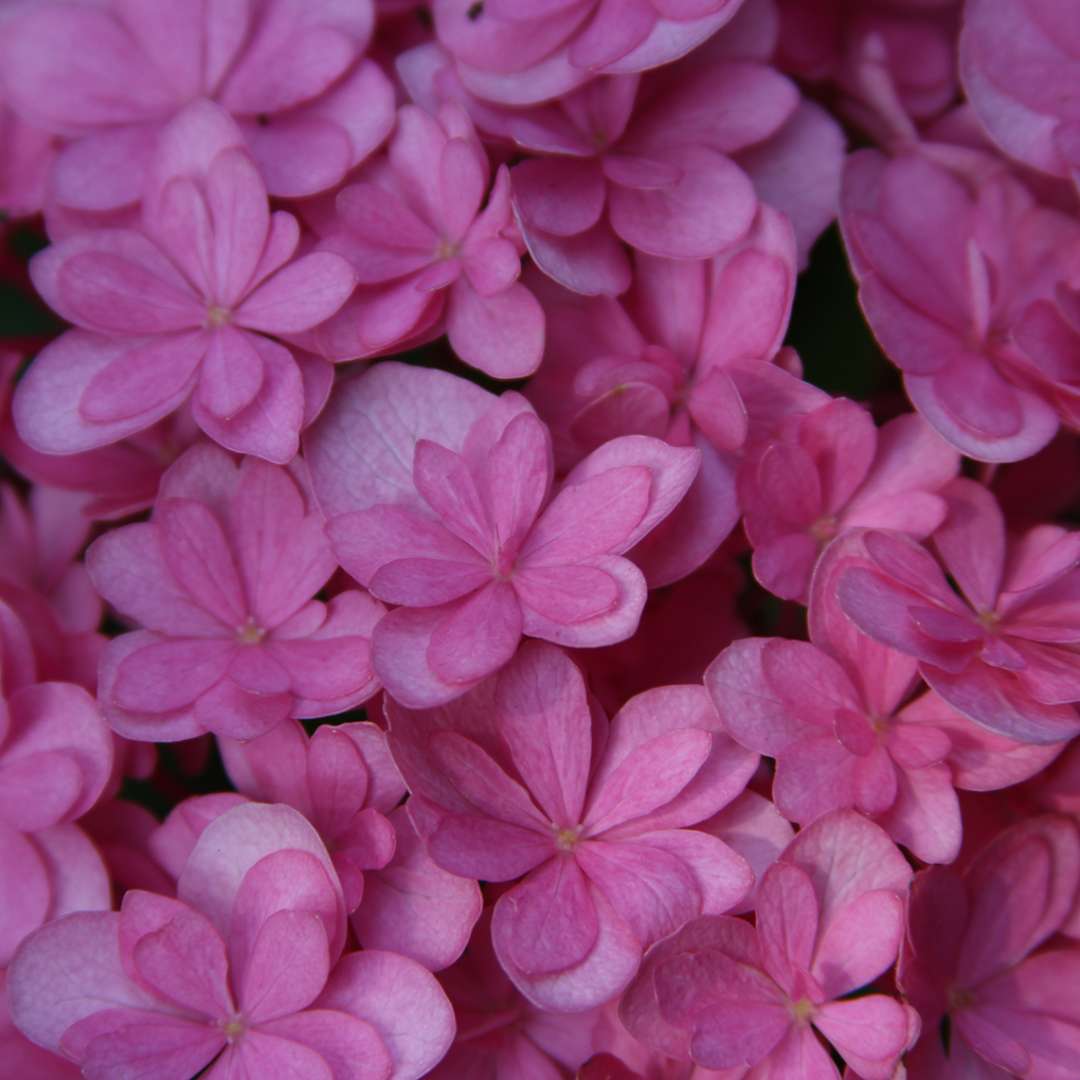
(446, 249)
(233, 1028)
(824, 529)
(960, 998)
(216, 316)
(989, 619)
(250, 633)
(802, 1010)
(567, 839)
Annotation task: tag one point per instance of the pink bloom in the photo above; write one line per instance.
(327, 778)
(56, 754)
(659, 177)
(948, 272)
(429, 243)
(829, 920)
(222, 579)
(437, 495)
(664, 360)
(525, 781)
(518, 52)
(1002, 652)
(242, 971)
(894, 62)
(347, 785)
(972, 958)
(1015, 58)
(831, 470)
(21, 1057)
(110, 76)
(857, 741)
(181, 309)
(41, 540)
(45, 875)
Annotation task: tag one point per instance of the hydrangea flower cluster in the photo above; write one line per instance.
(446, 631)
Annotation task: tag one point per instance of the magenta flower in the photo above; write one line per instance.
(858, 741)
(830, 919)
(222, 579)
(45, 875)
(108, 77)
(831, 470)
(664, 360)
(437, 495)
(660, 178)
(523, 52)
(344, 781)
(973, 958)
(430, 244)
(182, 309)
(1015, 56)
(56, 752)
(522, 782)
(242, 971)
(947, 289)
(1002, 652)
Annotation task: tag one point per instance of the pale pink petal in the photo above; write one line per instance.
(648, 778)
(270, 426)
(361, 451)
(711, 207)
(502, 334)
(197, 553)
(231, 374)
(401, 1000)
(234, 843)
(476, 636)
(287, 967)
(67, 971)
(860, 943)
(545, 720)
(351, 1047)
(870, 1032)
(414, 907)
(305, 293)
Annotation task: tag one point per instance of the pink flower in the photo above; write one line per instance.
(665, 360)
(830, 470)
(437, 495)
(1002, 652)
(346, 784)
(222, 579)
(524, 781)
(429, 243)
(45, 875)
(946, 288)
(242, 971)
(659, 177)
(56, 754)
(893, 62)
(518, 52)
(181, 309)
(1015, 56)
(829, 920)
(110, 76)
(41, 540)
(972, 958)
(858, 741)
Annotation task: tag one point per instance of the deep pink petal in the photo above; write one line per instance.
(477, 636)
(287, 968)
(548, 923)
